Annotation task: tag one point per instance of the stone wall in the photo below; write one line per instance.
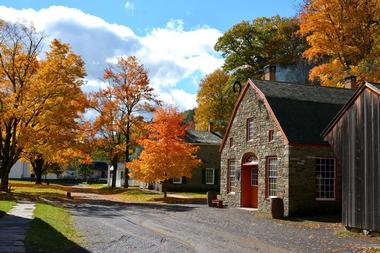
(252, 106)
(302, 181)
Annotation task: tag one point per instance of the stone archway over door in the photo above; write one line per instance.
(249, 181)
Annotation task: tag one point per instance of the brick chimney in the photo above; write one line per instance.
(350, 82)
(270, 73)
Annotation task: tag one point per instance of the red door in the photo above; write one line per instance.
(249, 186)
(254, 186)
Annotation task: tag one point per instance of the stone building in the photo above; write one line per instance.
(273, 147)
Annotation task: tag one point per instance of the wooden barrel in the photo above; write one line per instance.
(277, 208)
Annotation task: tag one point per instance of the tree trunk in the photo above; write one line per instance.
(164, 189)
(38, 169)
(114, 172)
(4, 181)
(127, 145)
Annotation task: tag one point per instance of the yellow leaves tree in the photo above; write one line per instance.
(19, 107)
(215, 101)
(165, 154)
(343, 37)
(56, 131)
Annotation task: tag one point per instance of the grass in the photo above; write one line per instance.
(95, 185)
(52, 230)
(137, 195)
(5, 206)
(190, 194)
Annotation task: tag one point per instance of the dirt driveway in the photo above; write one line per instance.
(119, 227)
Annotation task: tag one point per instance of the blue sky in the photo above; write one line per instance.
(173, 38)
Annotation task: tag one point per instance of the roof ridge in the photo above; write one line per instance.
(302, 84)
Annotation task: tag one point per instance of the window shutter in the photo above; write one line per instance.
(170, 180)
(183, 180)
(216, 177)
(203, 176)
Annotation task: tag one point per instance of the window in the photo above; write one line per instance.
(210, 176)
(231, 176)
(270, 135)
(254, 177)
(177, 180)
(325, 176)
(250, 129)
(272, 165)
(231, 142)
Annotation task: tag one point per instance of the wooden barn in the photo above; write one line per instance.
(354, 135)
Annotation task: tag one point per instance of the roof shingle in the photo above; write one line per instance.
(202, 137)
(303, 111)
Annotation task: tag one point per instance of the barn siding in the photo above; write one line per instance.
(355, 139)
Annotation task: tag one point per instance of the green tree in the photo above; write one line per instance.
(249, 46)
(215, 101)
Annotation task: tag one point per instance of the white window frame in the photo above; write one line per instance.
(213, 175)
(318, 180)
(272, 177)
(250, 129)
(232, 164)
(176, 181)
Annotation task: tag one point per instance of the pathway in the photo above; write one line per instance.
(13, 227)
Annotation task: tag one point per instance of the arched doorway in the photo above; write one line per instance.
(249, 181)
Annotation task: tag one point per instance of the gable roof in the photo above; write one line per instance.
(374, 87)
(300, 111)
(202, 137)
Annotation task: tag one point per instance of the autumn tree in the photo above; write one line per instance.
(132, 95)
(344, 39)
(107, 135)
(55, 131)
(20, 103)
(215, 100)
(165, 154)
(249, 46)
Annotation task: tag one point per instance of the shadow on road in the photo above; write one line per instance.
(108, 208)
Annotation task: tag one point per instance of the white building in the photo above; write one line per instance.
(23, 170)
(120, 176)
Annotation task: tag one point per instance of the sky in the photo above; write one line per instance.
(174, 39)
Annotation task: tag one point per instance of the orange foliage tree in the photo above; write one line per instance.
(106, 131)
(55, 131)
(127, 98)
(165, 154)
(343, 37)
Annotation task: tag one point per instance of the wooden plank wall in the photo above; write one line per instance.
(356, 142)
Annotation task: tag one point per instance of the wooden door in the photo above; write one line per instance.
(249, 186)
(246, 186)
(254, 186)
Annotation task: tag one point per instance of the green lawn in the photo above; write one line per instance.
(52, 230)
(137, 195)
(190, 194)
(5, 206)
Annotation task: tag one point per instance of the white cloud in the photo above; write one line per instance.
(170, 54)
(179, 98)
(129, 7)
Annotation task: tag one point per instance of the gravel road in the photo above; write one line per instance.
(119, 227)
